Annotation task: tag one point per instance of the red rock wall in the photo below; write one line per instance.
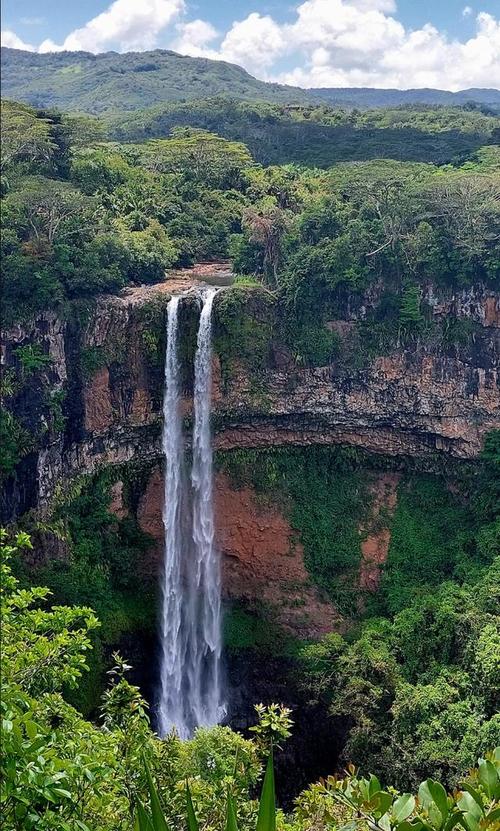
(262, 561)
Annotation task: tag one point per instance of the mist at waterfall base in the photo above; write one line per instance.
(190, 623)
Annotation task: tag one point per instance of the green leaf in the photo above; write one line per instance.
(142, 820)
(433, 792)
(62, 792)
(414, 825)
(403, 807)
(469, 805)
(493, 816)
(31, 729)
(470, 822)
(383, 802)
(453, 820)
(476, 796)
(488, 777)
(384, 822)
(374, 785)
(191, 816)
(266, 820)
(159, 823)
(231, 822)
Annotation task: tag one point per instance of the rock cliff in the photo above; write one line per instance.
(103, 366)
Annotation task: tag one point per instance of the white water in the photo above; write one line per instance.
(190, 690)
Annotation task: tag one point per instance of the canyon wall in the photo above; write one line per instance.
(427, 399)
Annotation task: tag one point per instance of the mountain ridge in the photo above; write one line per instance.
(111, 81)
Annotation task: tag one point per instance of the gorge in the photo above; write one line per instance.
(250, 445)
(357, 447)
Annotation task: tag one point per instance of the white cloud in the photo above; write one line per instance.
(329, 43)
(363, 46)
(194, 38)
(361, 43)
(9, 38)
(255, 42)
(126, 25)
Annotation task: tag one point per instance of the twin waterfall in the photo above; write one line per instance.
(190, 689)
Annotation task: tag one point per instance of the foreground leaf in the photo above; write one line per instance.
(191, 816)
(267, 806)
(231, 822)
(159, 823)
(142, 820)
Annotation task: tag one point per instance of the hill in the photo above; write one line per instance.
(366, 97)
(110, 81)
(135, 80)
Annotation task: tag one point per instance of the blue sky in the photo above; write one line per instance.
(40, 19)
(447, 43)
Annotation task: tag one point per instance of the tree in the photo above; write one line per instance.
(25, 137)
(410, 315)
(467, 208)
(266, 228)
(45, 206)
(199, 155)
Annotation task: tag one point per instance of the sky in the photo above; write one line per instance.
(447, 44)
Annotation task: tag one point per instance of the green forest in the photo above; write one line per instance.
(313, 206)
(82, 215)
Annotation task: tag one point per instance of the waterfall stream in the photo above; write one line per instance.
(190, 628)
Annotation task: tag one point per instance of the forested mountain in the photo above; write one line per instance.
(110, 81)
(369, 97)
(135, 80)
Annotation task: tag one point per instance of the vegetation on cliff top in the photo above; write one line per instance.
(82, 216)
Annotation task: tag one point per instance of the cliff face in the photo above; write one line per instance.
(419, 399)
(104, 365)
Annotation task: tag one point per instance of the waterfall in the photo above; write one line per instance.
(190, 694)
(170, 708)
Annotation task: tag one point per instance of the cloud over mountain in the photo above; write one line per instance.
(328, 43)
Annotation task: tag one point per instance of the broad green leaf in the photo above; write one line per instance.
(384, 822)
(431, 792)
(414, 825)
(374, 785)
(231, 822)
(266, 820)
(474, 794)
(31, 729)
(488, 777)
(403, 807)
(62, 792)
(159, 823)
(493, 816)
(191, 816)
(468, 804)
(470, 822)
(453, 820)
(383, 802)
